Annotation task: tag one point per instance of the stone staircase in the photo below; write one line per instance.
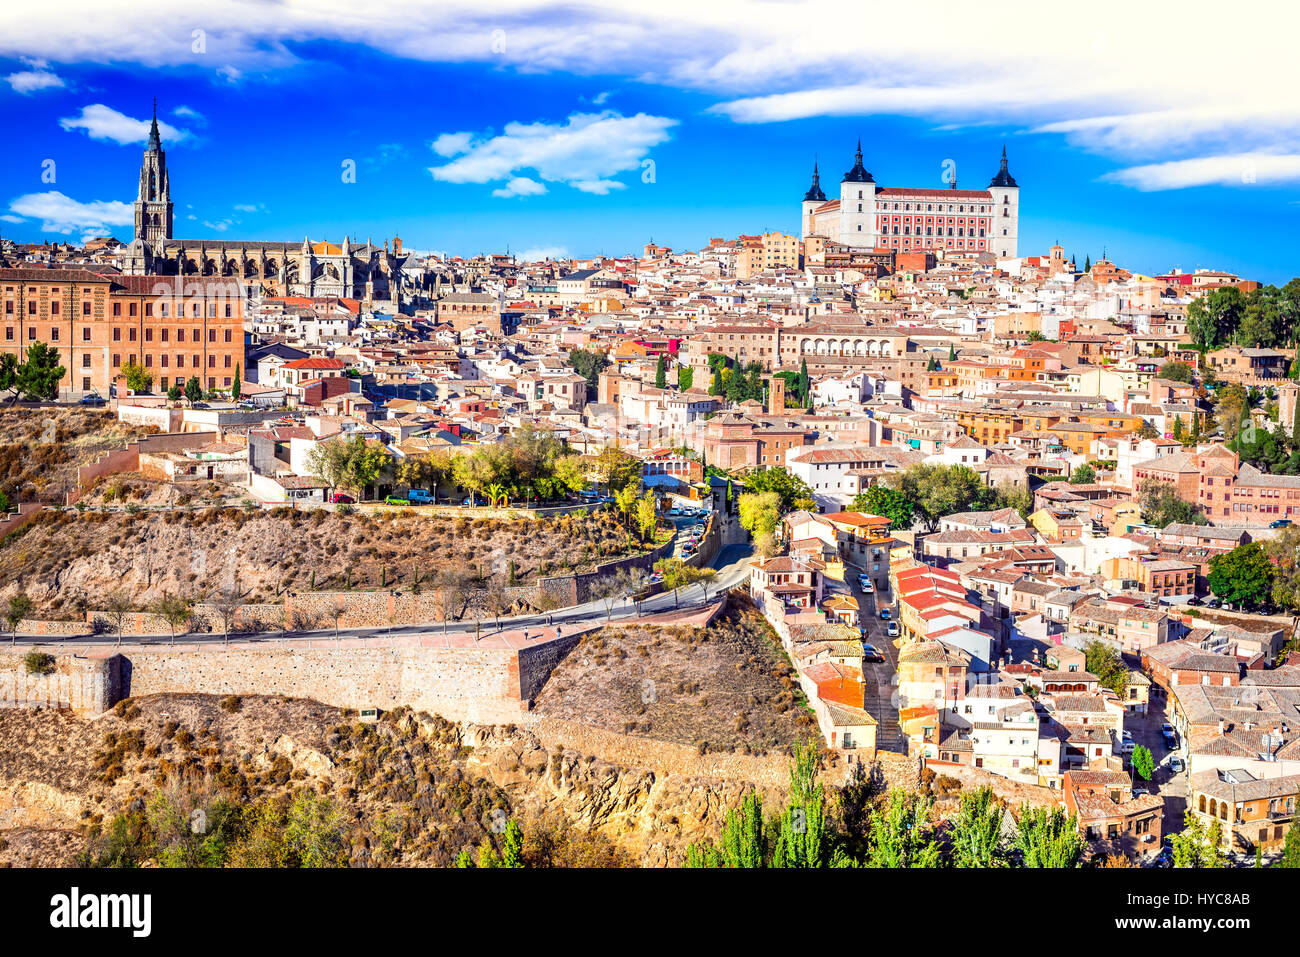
(889, 735)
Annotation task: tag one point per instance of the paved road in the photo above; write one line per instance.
(731, 563)
(1172, 788)
(879, 677)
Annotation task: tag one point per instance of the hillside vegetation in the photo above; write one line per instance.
(727, 687)
(68, 561)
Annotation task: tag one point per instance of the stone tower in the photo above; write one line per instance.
(1006, 211)
(811, 200)
(153, 203)
(858, 205)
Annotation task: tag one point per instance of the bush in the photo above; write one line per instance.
(39, 663)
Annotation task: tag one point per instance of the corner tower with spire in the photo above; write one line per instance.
(1006, 211)
(858, 205)
(811, 200)
(153, 204)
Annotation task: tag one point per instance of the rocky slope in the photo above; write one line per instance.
(416, 790)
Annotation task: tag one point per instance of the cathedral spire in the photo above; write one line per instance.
(155, 141)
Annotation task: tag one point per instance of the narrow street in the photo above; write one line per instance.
(879, 677)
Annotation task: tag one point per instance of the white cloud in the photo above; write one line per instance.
(539, 253)
(101, 122)
(584, 152)
(453, 144)
(1127, 80)
(10, 218)
(63, 214)
(520, 186)
(30, 81)
(250, 207)
(1236, 169)
(191, 114)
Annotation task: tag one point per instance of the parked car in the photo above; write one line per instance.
(872, 653)
(1212, 603)
(1126, 735)
(339, 498)
(868, 587)
(420, 496)
(93, 399)
(473, 501)
(1177, 765)
(1164, 858)
(1166, 729)
(884, 614)
(1140, 792)
(397, 500)
(1280, 523)
(892, 630)
(1127, 747)
(1193, 600)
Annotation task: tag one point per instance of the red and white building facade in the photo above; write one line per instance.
(916, 218)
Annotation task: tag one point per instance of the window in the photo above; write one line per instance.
(85, 333)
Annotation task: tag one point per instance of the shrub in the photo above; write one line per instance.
(38, 663)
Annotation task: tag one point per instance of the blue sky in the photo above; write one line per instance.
(530, 125)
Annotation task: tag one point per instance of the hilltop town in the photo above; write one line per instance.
(891, 486)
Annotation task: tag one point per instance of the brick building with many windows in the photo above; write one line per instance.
(100, 322)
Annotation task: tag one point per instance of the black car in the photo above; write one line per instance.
(872, 653)
(93, 399)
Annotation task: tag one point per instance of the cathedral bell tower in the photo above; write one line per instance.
(153, 203)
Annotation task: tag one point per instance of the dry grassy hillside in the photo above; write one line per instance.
(68, 561)
(727, 687)
(41, 449)
(401, 791)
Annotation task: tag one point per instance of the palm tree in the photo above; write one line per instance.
(495, 493)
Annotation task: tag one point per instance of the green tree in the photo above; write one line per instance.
(193, 389)
(1084, 474)
(615, 469)
(661, 374)
(760, 512)
(685, 377)
(1213, 319)
(678, 575)
(1162, 506)
(138, 378)
(1198, 846)
(236, 387)
(975, 834)
(589, 364)
(1048, 838)
(939, 490)
(1143, 763)
(174, 610)
(794, 491)
(646, 515)
(37, 377)
(1283, 552)
(902, 835)
(716, 387)
(174, 393)
(887, 502)
(1243, 576)
(1291, 846)
(19, 607)
(1108, 665)
(1175, 371)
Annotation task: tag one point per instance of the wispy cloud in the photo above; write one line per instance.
(585, 152)
(1236, 169)
(39, 77)
(539, 253)
(59, 213)
(1128, 81)
(101, 122)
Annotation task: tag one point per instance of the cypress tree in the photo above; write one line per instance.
(235, 388)
(661, 374)
(1295, 425)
